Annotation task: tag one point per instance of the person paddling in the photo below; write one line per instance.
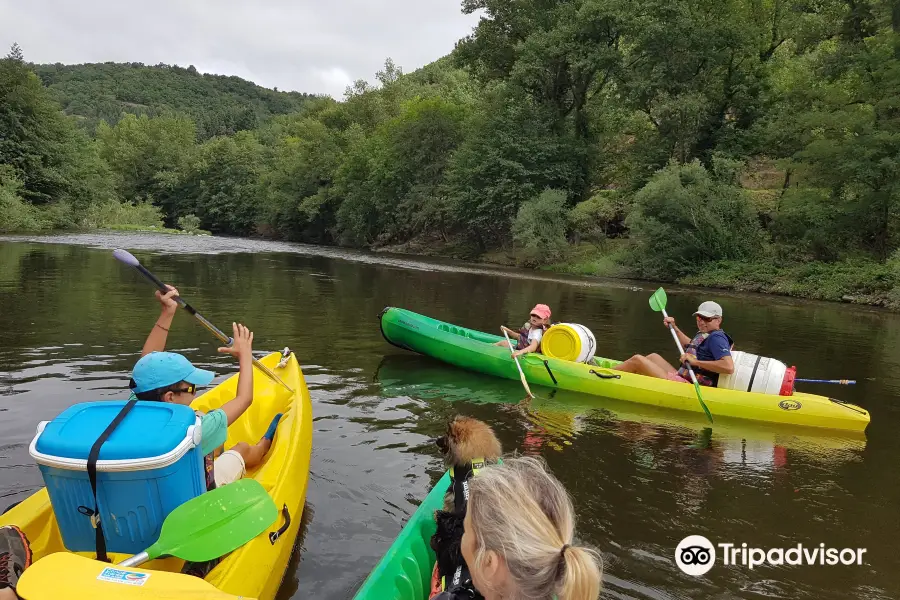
(529, 336)
(708, 352)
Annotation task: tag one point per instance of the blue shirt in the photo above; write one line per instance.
(715, 346)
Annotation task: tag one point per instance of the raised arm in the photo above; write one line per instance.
(242, 349)
(156, 340)
(685, 340)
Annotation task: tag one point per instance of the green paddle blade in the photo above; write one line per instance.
(658, 300)
(216, 523)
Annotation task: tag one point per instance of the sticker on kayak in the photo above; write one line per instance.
(122, 576)
(790, 405)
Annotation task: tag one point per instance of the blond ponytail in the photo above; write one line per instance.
(581, 574)
(521, 512)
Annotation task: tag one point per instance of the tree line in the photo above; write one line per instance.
(751, 144)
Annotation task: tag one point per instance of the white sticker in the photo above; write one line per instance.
(122, 576)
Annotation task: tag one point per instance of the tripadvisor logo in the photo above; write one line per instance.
(695, 555)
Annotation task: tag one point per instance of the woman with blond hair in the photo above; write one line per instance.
(518, 541)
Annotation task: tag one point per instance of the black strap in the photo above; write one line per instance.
(92, 475)
(547, 366)
(753, 374)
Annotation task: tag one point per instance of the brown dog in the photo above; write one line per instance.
(467, 439)
(468, 445)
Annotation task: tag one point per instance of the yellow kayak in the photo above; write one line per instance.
(253, 571)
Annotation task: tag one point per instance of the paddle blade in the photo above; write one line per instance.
(702, 403)
(216, 523)
(658, 300)
(126, 257)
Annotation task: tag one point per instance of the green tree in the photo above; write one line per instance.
(510, 153)
(54, 161)
(149, 158)
(539, 229)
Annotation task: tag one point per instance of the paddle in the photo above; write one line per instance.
(834, 381)
(212, 524)
(129, 259)
(658, 303)
(518, 366)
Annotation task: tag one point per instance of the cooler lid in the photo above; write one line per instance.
(151, 429)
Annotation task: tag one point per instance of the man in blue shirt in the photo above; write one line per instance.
(708, 352)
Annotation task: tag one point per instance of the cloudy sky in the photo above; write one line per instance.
(303, 45)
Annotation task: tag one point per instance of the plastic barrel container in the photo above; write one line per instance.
(753, 373)
(569, 341)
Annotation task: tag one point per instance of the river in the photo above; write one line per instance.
(72, 321)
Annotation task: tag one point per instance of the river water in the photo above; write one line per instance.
(72, 321)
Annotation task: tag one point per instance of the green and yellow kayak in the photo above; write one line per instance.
(404, 572)
(474, 351)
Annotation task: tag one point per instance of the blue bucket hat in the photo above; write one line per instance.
(160, 369)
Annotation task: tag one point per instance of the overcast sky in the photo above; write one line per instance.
(303, 45)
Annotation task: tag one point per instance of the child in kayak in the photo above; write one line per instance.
(529, 336)
(170, 377)
(518, 537)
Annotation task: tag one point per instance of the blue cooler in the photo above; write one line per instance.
(151, 464)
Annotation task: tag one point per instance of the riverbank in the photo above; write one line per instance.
(854, 281)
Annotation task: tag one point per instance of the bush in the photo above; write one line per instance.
(684, 219)
(189, 223)
(15, 213)
(805, 224)
(112, 214)
(592, 219)
(539, 229)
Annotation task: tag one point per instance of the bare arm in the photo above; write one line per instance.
(156, 339)
(685, 340)
(532, 347)
(513, 334)
(723, 366)
(242, 348)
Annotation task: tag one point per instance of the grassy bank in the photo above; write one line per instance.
(855, 281)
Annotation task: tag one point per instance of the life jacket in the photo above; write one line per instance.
(523, 336)
(704, 377)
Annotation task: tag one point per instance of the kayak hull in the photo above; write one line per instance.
(254, 570)
(404, 572)
(474, 350)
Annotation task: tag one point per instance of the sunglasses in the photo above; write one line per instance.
(534, 316)
(706, 319)
(190, 389)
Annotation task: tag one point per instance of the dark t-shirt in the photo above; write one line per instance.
(714, 347)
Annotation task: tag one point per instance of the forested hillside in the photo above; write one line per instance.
(751, 144)
(219, 105)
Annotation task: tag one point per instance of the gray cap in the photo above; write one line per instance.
(709, 309)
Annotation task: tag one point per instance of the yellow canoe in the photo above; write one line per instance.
(253, 571)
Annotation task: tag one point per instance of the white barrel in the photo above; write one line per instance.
(753, 373)
(569, 341)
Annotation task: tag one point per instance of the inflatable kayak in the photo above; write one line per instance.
(404, 572)
(474, 351)
(254, 570)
